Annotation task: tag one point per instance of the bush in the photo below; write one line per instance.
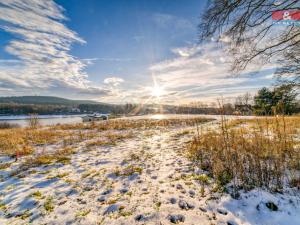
(6, 125)
(34, 121)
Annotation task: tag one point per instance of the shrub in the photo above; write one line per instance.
(33, 121)
(6, 125)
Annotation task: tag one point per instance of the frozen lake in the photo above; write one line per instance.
(69, 119)
(22, 120)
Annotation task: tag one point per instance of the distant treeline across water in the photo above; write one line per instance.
(50, 109)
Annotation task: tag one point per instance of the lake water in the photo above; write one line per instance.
(43, 119)
(69, 119)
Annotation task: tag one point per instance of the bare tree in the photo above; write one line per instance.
(247, 98)
(247, 31)
(243, 99)
(33, 121)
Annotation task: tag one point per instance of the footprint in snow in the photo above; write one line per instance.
(185, 205)
(176, 218)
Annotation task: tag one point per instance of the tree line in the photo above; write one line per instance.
(267, 101)
(279, 100)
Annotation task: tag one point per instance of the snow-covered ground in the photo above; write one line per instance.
(146, 179)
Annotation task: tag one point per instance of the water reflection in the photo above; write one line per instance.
(158, 116)
(44, 120)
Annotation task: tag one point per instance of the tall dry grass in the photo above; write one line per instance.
(261, 152)
(22, 140)
(124, 124)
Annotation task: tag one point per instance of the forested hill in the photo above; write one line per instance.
(47, 100)
(51, 105)
(44, 105)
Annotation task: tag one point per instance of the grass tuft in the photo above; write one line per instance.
(48, 204)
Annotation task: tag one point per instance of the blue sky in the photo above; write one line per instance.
(114, 51)
(134, 33)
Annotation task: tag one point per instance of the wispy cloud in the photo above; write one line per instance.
(195, 73)
(41, 49)
(201, 73)
(42, 62)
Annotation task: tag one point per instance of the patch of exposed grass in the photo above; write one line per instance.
(203, 179)
(70, 181)
(47, 159)
(37, 195)
(113, 136)
(128, 171)
(2, 206)
(59, 175)
(60, 156)
(4, 165)
(109, 139)
(45, 172)
(48, 204)
(26, 214)
(182, 133)
(100, 143)
(10, 187)
(157, 205)
(125, 213)
(134, 157)
(113, 201)
(82, 213)
(88, 173)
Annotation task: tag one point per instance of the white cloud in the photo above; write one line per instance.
(41, 48)
(114, 81)
(201, 73)
(43, 63)
(185, 51)
(196, 73)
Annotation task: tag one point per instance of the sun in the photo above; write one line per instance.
(157, 91)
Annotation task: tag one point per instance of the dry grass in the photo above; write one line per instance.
(120, 124)
(49, 205)
(110, 138)
(6, 125)
(276, 122)
(33, 142)
(258, 154)
(22, 140)
(128, 171)
(100, 142)
(59, 156)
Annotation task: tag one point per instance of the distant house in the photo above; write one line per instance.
(95, 117)
(75, 110)
(245, 110)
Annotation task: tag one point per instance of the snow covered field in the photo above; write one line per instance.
(143, 179)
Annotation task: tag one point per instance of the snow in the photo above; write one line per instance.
(89, 191)
(251, 208)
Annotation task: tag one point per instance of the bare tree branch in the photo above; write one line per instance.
(252, 34)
